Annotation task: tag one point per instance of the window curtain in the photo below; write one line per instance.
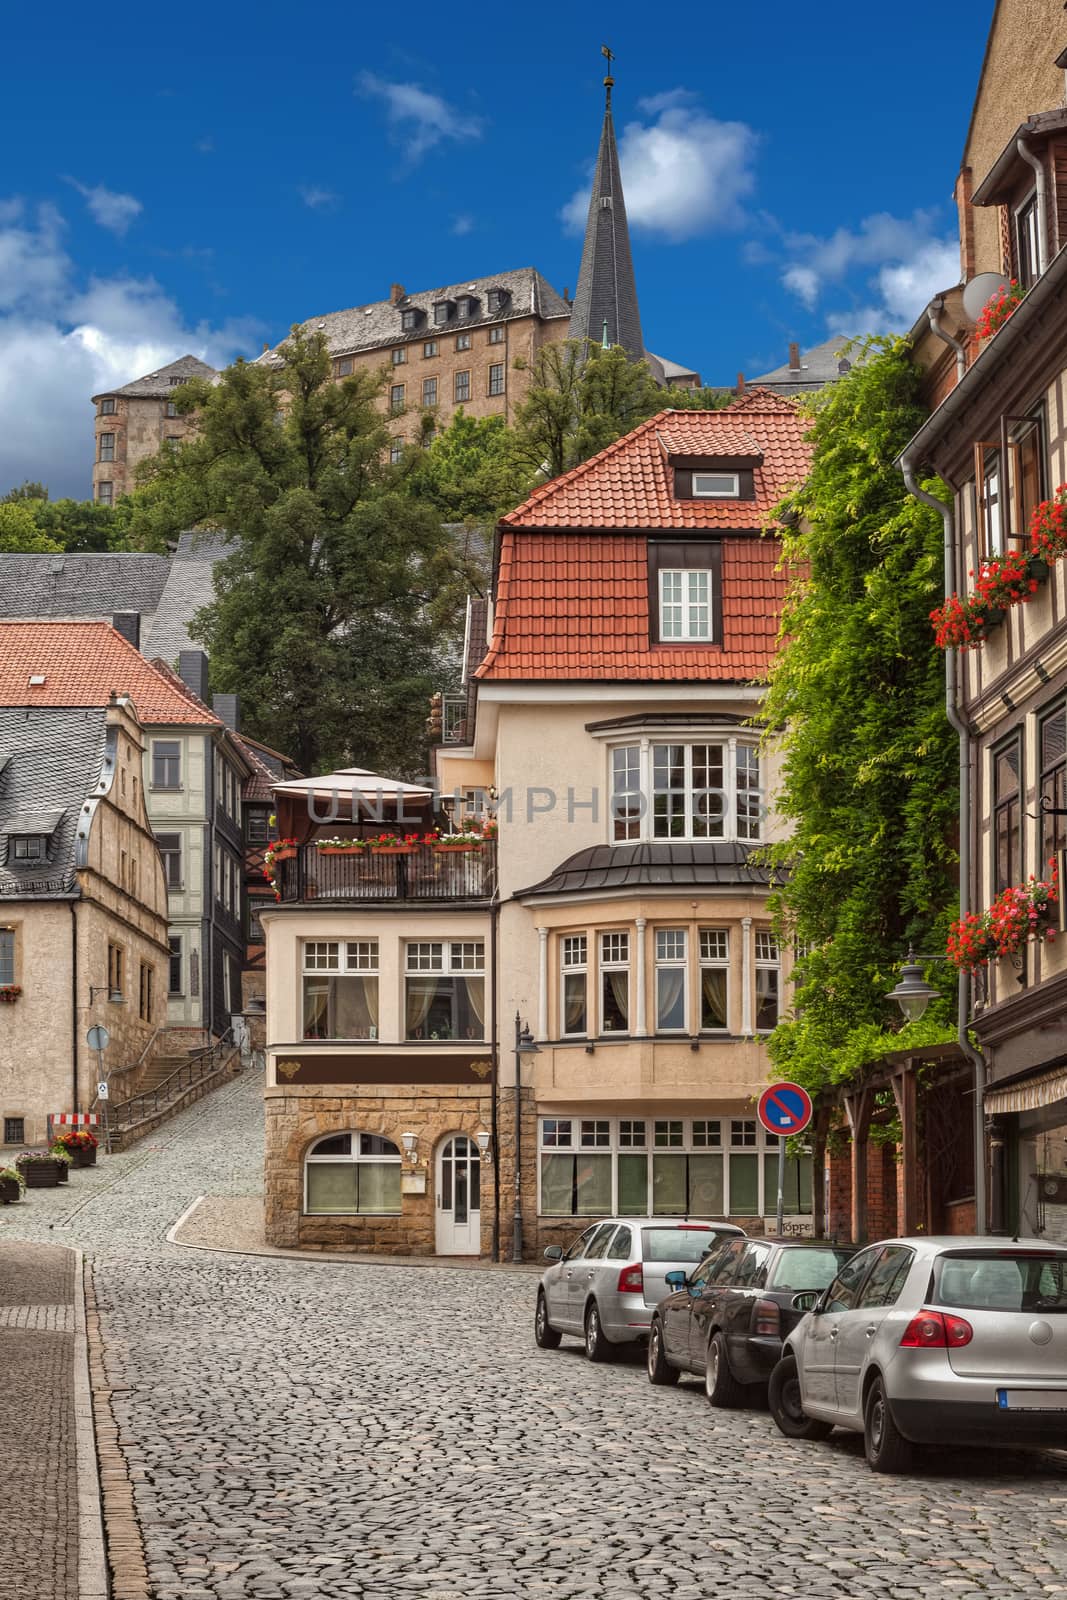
(713, 992)
(574, 1001)
(620, 989)
(421, 993)
(557, 1185)
(670, 990)
(356, 1006)
(476, 999)
(316, 1008)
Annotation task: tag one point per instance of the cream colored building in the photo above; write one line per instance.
(83, 908)
(621, 916)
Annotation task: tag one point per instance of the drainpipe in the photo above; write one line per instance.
(74, 1004)
(933, 314)
(494, 958)
(1039, 190)
(907, 467)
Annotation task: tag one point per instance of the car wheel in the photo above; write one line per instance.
(887, 1448)
(659, 1368)
(597, 1347)
(545, 1335)
(784, 1399)
(720, 1385)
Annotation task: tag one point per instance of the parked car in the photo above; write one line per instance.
(728, 1318)
(932, 1341)
(604, 1286)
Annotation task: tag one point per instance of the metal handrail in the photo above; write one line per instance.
(191, 1072)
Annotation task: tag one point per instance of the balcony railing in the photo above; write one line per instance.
(426, 874)
(453, 718)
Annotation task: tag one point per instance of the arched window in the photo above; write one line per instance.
(352, 1174)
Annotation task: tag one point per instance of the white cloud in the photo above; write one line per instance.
(417, 118)
(63, 340)
(111, 210)
(683, 172)
(316, 198)
(462, 224)
(910, 258)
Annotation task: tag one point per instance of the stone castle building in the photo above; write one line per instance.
(137, 421)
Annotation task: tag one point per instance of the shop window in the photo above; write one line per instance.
(352, 1174)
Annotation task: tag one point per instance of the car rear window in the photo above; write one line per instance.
(806, 1269)
(1008, 1280)
(677, 1244)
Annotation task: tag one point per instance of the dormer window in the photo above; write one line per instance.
(465, 305)
(409, 319)
(28, 847)
(685, 592)
(442, 311)
(716, 485)
(497, 299)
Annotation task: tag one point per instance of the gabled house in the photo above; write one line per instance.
(83, 904)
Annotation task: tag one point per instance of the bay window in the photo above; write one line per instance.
(665, 1166)
(614, 982)
(353, 1174)
(686, 791)
(340, 987)
(445, 989)
(670, 980)
(574, 985)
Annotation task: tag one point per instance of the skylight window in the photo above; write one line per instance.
(36, 679)
(716, 486)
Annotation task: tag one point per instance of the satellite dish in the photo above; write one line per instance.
(980, 291)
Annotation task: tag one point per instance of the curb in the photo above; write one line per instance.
(125, 1547)
(344, 1257)
(92, 1561)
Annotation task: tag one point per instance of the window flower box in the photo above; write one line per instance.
(998, 308)
(1019, 916)
(341, 847)
(9, 993)
(395, 844)
(963, 622)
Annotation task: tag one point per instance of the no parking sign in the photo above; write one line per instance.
(784, 1108)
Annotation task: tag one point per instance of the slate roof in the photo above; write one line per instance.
(371, 327)
(630, 484)
(156, 385)
(81, 585)
(666, 864)
(56, 757)
(267, 767)
(607, 290)
(82, 663)
(818, 367)
(188, 588)
(572, 590)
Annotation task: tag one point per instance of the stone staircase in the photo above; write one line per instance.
(168, 1083)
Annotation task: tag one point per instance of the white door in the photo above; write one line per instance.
(459, 1194)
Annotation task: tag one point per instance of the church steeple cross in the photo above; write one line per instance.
(609, 81)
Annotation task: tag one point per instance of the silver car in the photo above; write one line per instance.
(604, 1287)
(932, 1341)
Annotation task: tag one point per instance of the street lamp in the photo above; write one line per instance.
(525, 1045)
(913, 994)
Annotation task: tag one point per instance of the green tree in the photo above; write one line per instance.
(19, 531)
(323, 616)
(468, 473)
(26, 491)
(581, 398)
(869, 781)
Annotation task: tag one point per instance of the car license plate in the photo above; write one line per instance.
(1032, 1399)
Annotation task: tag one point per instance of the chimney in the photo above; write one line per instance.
(794, 358)
(396, 294)
(128, 623)
(228, 707)
(192, 670)
(566, 294)
(740, 383)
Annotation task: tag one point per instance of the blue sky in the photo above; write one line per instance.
(200, 179)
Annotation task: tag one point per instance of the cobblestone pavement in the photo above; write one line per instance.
(38, 1490)
(324, 1429)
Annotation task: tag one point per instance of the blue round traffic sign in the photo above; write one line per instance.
(784, 1108)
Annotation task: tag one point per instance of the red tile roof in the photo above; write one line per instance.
(572, 595)
(81, 663)
(631, 483)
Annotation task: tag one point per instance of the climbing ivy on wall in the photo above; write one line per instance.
(869, 786)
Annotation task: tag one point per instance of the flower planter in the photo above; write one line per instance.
(84, 1158)
(338, 850)
(41, 1174)
(9, 994)
(393, 849)
(285, 854)
(10, 1192)
(456, 849)
(1039, 568)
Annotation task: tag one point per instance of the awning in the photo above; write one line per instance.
(1044, 1089)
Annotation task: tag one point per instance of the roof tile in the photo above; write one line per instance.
(81, 663)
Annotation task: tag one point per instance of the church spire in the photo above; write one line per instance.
(605, 302)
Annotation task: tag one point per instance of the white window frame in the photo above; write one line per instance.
(631, 813)
(455, 958)
(732, 493)
(713, 954)
(613, 939)
(353, 1159)
(695, 622)
(768, 959)
(670, 963)
(573, 961)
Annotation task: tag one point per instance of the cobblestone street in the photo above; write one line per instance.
(329, 1429)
